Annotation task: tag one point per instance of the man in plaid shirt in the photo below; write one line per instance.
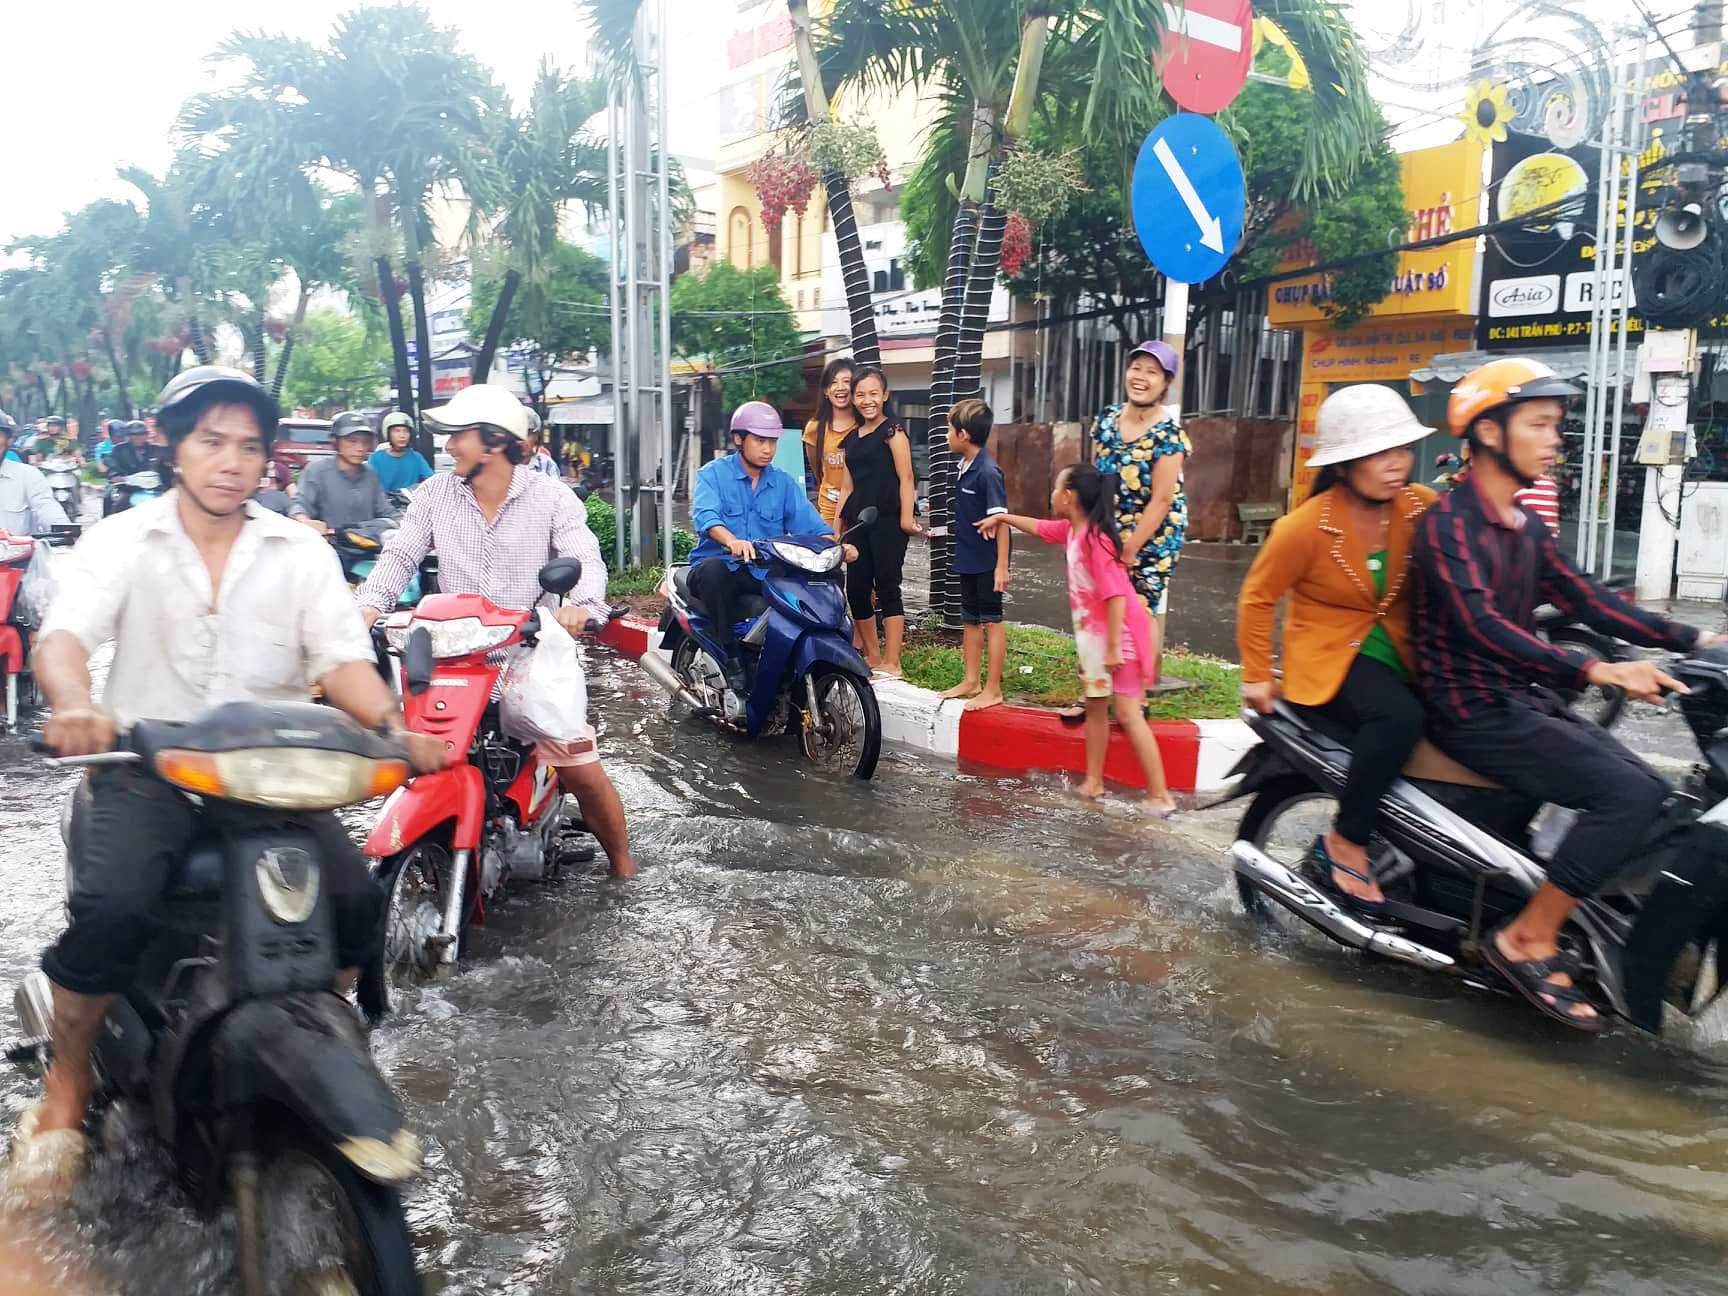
(494, 523)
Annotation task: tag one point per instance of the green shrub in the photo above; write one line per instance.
(603, 522)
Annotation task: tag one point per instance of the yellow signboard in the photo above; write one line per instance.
(1441, 186)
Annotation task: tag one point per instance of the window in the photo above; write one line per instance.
(741, 239)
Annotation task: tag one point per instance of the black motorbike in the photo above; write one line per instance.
(1600, 704)
(133, 489)
(251, 1069)
(1463, 856)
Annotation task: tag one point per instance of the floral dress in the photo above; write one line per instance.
(1132, 461)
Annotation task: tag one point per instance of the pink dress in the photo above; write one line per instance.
(1095, 576)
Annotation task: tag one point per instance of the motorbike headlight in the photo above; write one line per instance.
(145, 480)
(455, 638)
(287, 883)
(810, 560)
(282, 778)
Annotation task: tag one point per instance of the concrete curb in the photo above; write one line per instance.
(1198, 754)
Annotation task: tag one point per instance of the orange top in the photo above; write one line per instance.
(1324, 568)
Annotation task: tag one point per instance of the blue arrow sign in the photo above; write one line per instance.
(1189, 198)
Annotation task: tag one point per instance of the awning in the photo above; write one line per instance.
(1452, 366)
(589, 409)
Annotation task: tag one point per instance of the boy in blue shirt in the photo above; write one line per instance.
(981, 565)
(742, 498)
(398, 467)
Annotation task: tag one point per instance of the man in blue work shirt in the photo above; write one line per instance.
(740, 499)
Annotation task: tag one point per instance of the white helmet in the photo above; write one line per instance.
(1355, 422)
(483, 405)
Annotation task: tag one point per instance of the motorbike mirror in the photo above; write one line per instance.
(417, 660)
(867, 516)
(560, 575)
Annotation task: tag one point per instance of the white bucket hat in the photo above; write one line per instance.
(1355, 422)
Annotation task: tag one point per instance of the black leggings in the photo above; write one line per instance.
(1383, 720)
(876, 574)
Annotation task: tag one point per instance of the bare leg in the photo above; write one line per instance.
(971, 651)
(71, 1080)
(865, 634)
(996, 636)
(1534, 934)
(894, 628)
(1131, 715)
(602, 811)
(1097, 744)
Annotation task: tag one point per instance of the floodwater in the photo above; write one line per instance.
(953, 1034)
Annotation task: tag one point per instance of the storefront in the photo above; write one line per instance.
(1426, 313)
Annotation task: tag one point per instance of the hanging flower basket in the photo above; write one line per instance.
(850, 147)
(781, 182)
(1038, 185)
(57, 371)
(277, 329)
(81, 368)
(1016, 244)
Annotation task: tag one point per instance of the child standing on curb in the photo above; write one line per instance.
(1112, 631)
(981, 564)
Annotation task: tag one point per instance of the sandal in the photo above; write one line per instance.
(1324, 862)
(1529, 977)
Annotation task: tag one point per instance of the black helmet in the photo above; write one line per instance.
(52, 419)
(189, 392)
(135, 427)
(350, 423)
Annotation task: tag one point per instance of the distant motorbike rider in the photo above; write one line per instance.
(399, 466)
(495, 523)
(1482, 567)
(343, 491)
(135, 454)
(207, 599)
(27, 505)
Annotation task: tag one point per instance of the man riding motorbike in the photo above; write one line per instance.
(207, 599)
(342, 491)
(1482, 566)
(26, 504)
(494, 523)
(742, 498)
(399, 466)
(133, 455)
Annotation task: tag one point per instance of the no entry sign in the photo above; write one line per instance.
(1208, 46)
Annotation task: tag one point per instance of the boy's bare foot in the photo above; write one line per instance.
(965, 688)
(1090, 791)
(1160, 808)
(988, 698)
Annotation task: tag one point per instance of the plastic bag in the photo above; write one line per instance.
(545, 697)
(37, 590)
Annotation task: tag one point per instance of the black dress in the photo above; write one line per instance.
(873, 582)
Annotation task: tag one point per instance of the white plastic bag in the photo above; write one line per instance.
(545, 697)
(37, 589)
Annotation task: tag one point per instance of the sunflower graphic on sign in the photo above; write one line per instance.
(1486, 114)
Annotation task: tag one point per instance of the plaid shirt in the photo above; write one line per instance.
(1478, 583)
(541, 519)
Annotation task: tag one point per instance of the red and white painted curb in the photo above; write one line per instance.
(1198, 754)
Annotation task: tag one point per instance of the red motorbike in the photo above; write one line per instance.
(15, 553)
(446, 843)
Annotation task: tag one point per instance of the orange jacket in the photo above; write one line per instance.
(1323, 567)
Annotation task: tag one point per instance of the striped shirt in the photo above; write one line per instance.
(1478, 583)
(1542, 499)
(541, 519)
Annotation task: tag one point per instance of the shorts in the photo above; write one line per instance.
(581, 750)
(1098, 680)
(980, 600)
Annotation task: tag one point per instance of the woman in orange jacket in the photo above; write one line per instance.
(1343, 560)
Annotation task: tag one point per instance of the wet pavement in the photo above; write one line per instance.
(944, 1033)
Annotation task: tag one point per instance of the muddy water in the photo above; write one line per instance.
(945, 1034)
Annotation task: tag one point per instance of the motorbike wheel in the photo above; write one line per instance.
(1600, 706)
(1283, 820)
(848, 734)
(320, 1226)
(699, 672)
(414, 884)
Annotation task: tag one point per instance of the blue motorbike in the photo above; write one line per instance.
(800, 666)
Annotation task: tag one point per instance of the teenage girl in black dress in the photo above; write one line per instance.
(878, 472)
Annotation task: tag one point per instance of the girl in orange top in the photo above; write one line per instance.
(1343, 559)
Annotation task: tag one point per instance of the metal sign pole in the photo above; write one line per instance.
(664, 369)
(1623, 302)
(615, 231)
(1598, 343)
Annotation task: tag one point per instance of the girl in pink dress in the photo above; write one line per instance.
(1112, 633)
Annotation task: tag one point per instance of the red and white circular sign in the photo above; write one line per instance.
(1208, 47)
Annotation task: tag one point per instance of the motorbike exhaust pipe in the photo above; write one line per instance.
(33, 1004)
(655, 667)
(1318, 910)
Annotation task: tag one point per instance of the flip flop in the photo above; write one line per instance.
(1324, 862)
(1529, 977)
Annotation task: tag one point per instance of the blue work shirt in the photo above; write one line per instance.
(776, 507)
(399, 472)
(979, 492)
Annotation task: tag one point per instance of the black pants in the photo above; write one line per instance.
(1383, 721)
(130, 835)
(1549, 754)
(719, 589)
(873, 582)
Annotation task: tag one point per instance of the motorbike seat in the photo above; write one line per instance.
(748, 607)
(1431, 764)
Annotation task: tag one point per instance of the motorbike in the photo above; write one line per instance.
(131, 490)
(801, 668)
(233, 1048)
(1602, 705)
(62, 474)
(15, 628)
(445, 845)
(1462, 856)
(358, 547)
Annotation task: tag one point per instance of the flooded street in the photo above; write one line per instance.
(954, 1034)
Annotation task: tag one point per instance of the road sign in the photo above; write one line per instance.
(1208, 47)
(1189, 198)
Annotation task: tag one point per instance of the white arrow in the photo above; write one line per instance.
(1211, 228)
(1204, 27)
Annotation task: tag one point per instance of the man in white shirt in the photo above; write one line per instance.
(207, 598)
(27, 506)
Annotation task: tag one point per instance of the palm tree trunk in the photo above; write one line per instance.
(259, 371)
(200, 344)
(422, 333)
(941, 401)
(398, 342)
(120, 381)
(288, 343)
(495, 325)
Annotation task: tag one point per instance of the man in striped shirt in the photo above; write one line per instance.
(1482, 566)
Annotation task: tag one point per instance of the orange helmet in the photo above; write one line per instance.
(1501, 382)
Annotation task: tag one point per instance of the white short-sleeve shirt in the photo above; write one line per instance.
(283, 619)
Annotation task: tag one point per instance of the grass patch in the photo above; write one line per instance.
(1042, 670)
(633, 582)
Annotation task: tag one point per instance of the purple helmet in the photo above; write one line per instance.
(758, 418)
(1162, 352)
